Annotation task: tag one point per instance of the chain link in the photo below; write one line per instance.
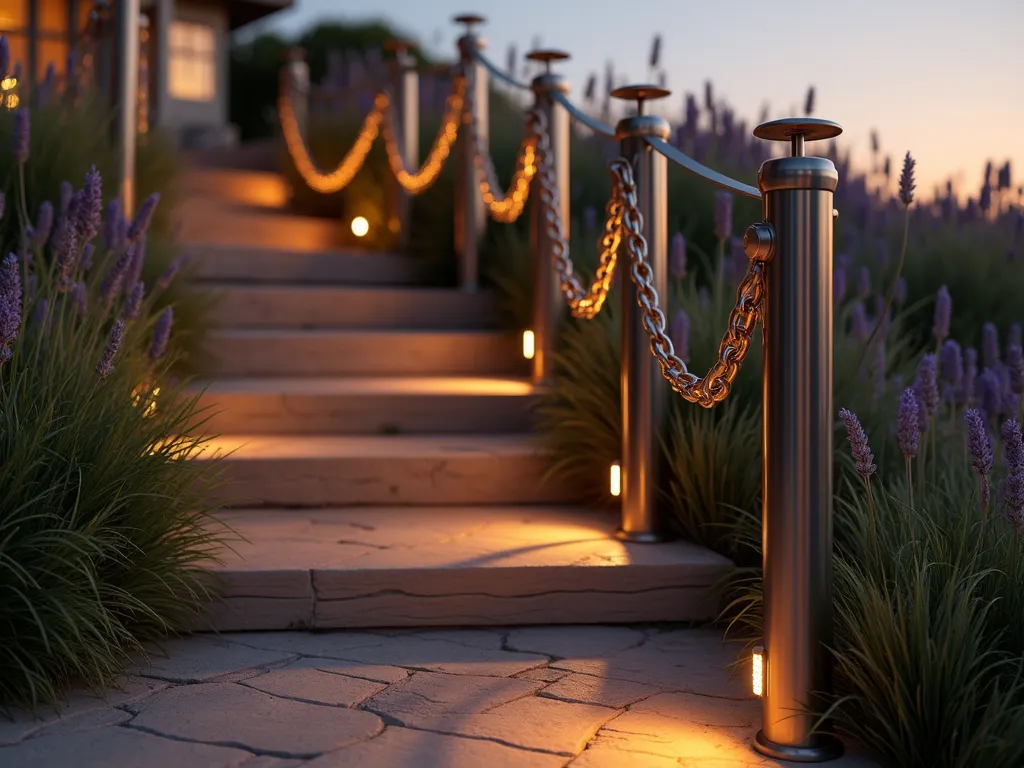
(510, 206)
(716, 385)
(583, 303)
(420, 181)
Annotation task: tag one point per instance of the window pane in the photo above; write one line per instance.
(50, 50)
(13, 14)
(53, 16)
(192, 71)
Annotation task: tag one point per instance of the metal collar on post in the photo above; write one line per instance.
(642, 124)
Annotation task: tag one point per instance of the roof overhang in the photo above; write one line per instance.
(242, 12)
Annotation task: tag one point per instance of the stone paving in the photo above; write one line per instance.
(585, 697)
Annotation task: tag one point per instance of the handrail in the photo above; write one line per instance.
(582, 117)
(699, 169)
(493, 69)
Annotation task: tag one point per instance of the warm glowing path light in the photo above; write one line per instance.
(529, 345)
(615, 479)
(757, 671)
(360, 226)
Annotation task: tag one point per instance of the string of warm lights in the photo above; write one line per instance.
(339, 178)
(415, 183)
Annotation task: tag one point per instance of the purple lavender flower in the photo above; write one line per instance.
(928, 384)
(901, 292)
(907, 180)
(1013, 500)
(989, 399)
(105, 366)
(1015, 368)
(144, 217)
(65, 248)
(677, 257)
(133, 306)
(943, 313)
(985, 198)
(113, 281)
(80, 295)
(5, 56)
(965, 396)
(680, 335)
(112, 226)
(908, 427)
(89, 210)
(10, 300)
(134, 273)
(22, 133)
(862, 456)
(838, 283)
(161, 334)
(864, 282)
(85, 260)
(1013, 448)
(44, 224)
(723, 215)
(859, 325)
(67, 192)
(951, 363)
(1014, 336)
(165, 279)
(980, 448)
(809, 103)
(989, 345)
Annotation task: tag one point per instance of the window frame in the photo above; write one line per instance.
(190, 58)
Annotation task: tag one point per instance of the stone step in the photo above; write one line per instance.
(247, 305)
(231, 223)
(475, 566)
(330, 352)
(422, 470)
(368, 405)
(291, 264)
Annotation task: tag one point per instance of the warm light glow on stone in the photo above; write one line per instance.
(529, 348)
(757, 667)
(615, 479)
(360, 226)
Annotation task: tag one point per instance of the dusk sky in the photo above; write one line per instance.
(942, 78)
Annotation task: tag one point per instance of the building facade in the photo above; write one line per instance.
(184, 51)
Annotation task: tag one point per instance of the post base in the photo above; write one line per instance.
(642, 537)
(826, 747)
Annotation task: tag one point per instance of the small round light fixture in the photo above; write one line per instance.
(360, 226)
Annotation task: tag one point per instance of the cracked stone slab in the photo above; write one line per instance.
(198, 659)
(230, 713)
(574, 642)
(587, 689)
(117, 747)
(407, 748)
(304, 683)
(544, 674)
(427, 694)
(265, 761)
(80, 706)
(534, 723)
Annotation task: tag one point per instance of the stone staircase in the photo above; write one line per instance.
(377, 447)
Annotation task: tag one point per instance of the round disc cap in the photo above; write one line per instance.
(398, 45)
(547, 54)
(811, 128)
(641, 92)
(469, 18)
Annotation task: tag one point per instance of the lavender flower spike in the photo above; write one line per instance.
(112, 226)
(901, 292)
(22, 134)
(44, 224)
(907, 180)
(943, 313)
(1015, 334)
(859, 447)
(113, 281)
(859, 325)
(89, 212)
(106, 364)
(980, 447)
(680, 335)
(723, 215)
(989, 345)
(677, 256)
(144, 217)
(161, 334)
(85, 260)
(951, 363)
(1013, 448)
(1013, 487)
(1015, 367)
(133, 306)
(908, 429)
(928, 380)
(5, 56)
(80, 295)
(10, 300)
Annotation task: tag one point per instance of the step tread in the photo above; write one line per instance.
(281, 286)
(450, 566)
(284, 447)
(341, 333)
(356, 386)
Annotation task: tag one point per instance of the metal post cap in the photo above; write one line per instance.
(547, 55)
(399, 45)
(759, 241)
(810, 128)
(470, 20)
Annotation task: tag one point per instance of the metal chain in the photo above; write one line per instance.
(421, 180)
(716, 385)
(583, 303)
(342, 175)
(510, 206)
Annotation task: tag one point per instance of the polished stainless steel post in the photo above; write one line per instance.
(798, 417)
(407, 102)
(127, 98)
(470, 213)
(644, 390)
(547, 294)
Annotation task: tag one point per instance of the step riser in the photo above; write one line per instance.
(366, 414)
(241, 307)
(365, 355)
(283, 267)
(459, 480)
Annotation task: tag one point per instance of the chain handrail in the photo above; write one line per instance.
(420, 181)
(716, 385)
(510, 206)
(583, 303)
